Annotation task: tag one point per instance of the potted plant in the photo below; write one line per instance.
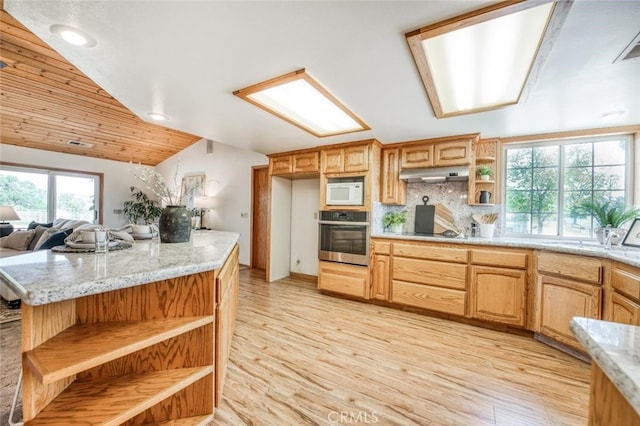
(484, 171)
(395, 221)
(141, 211)
(609, 215)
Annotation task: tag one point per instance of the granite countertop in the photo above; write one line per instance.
(616, 349)
(43, 277)
(620, 253)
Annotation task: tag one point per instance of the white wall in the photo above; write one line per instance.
(228, 180)
(280, 226)
(305, 203)
(117, 178)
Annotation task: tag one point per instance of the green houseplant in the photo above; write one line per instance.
(395, 221)
(484, 171)
(141, 210)
(608, 213)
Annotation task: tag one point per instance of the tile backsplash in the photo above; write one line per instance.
(451, 194)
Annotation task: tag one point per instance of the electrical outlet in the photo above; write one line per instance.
(244, 215)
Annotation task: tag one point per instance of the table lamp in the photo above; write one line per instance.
(204, 204)
(7, 213)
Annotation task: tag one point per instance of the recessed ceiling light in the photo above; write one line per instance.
(73, 35)
(157, 116)
(611, 114)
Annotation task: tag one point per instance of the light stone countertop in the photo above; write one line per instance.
(43, 277)
(625, 254)
(616, 349)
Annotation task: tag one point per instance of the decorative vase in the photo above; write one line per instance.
(175, 224)
(620, 232)
(397, 228)
(484, 177)
(485, 197)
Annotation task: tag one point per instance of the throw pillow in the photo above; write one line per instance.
(55, 239)
(18, 240)
(39, 231)
(45, 236)
(34, 225)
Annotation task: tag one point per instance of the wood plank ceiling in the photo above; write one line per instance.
(46, 102)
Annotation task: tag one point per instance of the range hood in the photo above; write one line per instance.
(436, 174)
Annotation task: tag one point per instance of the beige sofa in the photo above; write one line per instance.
(26, 241)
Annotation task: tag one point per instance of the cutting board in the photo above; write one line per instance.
(425, 219)
(442, 219)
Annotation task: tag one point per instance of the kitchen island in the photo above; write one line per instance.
(615, 377)
(133, 336)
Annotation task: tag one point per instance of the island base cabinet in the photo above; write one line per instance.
(562, 300)
(498, 294)
(138, 355)
(607, 406)
(342, 278)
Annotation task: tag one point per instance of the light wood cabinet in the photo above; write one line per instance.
(417, 156)
(295, 164)
(486, 153)
(392, 189)
(570, 266)
(342, 278)
(380, 269)
(434, 279)
(440, 152)
(126, 356)
(624, 298)
(456, 153)
(346, 160)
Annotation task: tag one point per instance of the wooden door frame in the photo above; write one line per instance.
(254, 170)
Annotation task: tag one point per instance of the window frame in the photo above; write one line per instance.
(51, 173)
(629, 182)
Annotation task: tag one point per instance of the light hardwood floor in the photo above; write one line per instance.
(300, 357)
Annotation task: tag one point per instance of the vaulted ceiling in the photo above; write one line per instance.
(47, 102)
(185, 58)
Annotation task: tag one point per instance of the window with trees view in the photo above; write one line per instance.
(43, 195)
(550, 187)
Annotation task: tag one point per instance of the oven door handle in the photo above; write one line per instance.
(338, 222)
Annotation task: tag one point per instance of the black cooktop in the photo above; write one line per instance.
(445, 234)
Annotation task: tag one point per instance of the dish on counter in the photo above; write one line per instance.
(73, 244)
(142, 236)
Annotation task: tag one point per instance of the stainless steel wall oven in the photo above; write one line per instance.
(344, 237)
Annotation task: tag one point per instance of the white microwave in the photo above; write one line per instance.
(345, 194)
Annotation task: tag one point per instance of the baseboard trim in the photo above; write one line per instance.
(304, 277)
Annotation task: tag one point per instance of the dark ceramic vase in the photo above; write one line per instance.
(175, 224)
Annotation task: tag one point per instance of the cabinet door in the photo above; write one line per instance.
(452, 153)
(562, 300)
(380, 276)
(498, 294)
(281, 165)
(356, 159)
(414, 157)
(343, 278)
(392, 190)
(623, 310)
(308, 162)
(332, 161)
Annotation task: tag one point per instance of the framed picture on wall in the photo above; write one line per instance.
(633, 235)
(192, 187)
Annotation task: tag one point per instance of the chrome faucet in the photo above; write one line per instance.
(608, 234)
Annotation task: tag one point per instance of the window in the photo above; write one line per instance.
(42, 195)
(546, 184)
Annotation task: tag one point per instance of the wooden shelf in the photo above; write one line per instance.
(84, 346)
(485, 159)
(187, 421)
(114, 400)
(481, 204)
(491, 181)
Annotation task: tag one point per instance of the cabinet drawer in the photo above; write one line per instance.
(508, 259)
(626, 282)
(439, 274)
(575, 267)
(345, 279)
(434, 298)
(421, 251)
(381, 247)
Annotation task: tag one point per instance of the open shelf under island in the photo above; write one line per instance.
(136, 336)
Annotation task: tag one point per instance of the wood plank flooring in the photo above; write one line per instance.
(300, 357)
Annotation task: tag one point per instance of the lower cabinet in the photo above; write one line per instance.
(342, 278)
(498, 294)
(624, 301)
(561, 300)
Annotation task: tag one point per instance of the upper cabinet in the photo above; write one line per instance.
(440, 152)
(346, 159)
(392, 189)
(486, 156)
(295, 164)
